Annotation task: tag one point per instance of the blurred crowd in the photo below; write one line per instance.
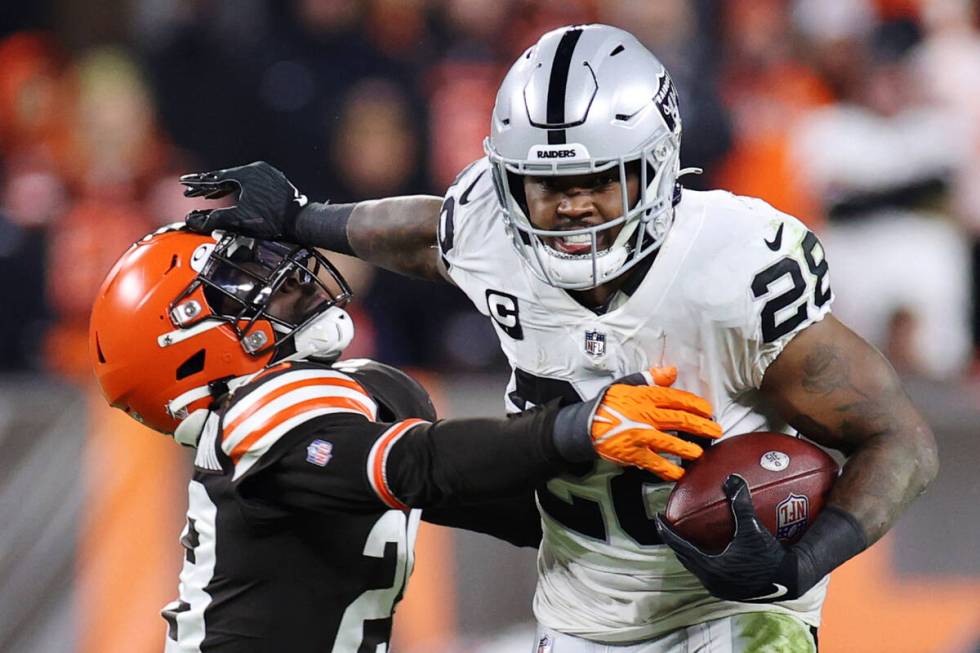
(861, 117)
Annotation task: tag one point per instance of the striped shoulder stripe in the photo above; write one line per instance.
(291, 398)
(377, 462)
(247, 456)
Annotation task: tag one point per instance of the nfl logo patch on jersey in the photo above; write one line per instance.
(544, 645)
(791, 516)
(595, 343)
(319, 452)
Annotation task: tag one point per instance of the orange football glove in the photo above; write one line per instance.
(629, 424)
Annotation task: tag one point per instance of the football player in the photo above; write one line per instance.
(301, 519)
(622, 268)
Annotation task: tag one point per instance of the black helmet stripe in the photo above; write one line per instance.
(558, 82)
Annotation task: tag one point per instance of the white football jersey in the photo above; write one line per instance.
(733, 282)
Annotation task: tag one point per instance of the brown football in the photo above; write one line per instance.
(788, 476)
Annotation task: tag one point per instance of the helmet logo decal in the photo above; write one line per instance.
(666, 101)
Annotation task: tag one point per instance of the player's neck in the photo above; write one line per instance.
(599, 299)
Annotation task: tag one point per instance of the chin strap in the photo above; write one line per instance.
(325, 337)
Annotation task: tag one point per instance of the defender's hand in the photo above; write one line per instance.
(754, 567)
(267, 203)
(629, 423)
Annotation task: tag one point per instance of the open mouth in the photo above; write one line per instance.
(578, 244)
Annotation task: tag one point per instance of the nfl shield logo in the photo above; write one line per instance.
(319, 452)
(544, 645)
(791, 516)
(595, 343)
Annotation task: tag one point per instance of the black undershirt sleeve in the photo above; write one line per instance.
(467, 461)
(324, 225)
(450, 465)
(512, 519)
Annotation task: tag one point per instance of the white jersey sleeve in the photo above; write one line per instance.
(469, 214)
(763, 278)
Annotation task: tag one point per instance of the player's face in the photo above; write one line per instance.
(577, 202)
(295, 300)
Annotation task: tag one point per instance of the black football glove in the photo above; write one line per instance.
(753, 567)
(267, 203)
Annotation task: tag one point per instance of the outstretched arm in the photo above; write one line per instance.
(838, 391)
(396, 233)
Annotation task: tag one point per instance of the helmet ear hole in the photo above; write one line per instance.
(98, 349)
(192, 365)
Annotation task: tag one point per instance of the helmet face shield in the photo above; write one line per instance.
(241, 279)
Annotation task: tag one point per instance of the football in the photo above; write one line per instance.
(788, 476)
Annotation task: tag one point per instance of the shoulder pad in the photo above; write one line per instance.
(281, 399)
(398, 395)
(470, 199)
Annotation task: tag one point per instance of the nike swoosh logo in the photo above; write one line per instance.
(777, 240)
(780, 589)
(465, 197)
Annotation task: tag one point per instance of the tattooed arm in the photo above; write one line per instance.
(398, 234)
(839, 391)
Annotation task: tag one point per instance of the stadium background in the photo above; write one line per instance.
(861, 117)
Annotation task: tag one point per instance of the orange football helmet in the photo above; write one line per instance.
(181, 313)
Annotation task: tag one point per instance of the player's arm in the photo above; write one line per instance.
(347, 463)
(839, 391)
(396, 233)
(513, 519)
(418, 464)
(835, 389)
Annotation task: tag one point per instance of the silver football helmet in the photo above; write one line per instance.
(587, 99)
